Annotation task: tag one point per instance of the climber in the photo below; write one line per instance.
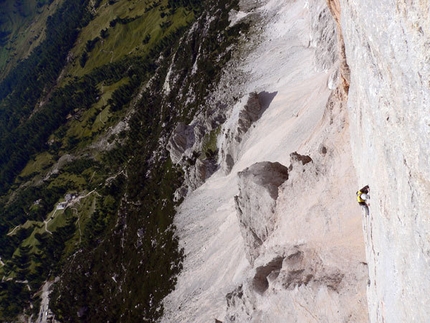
(363, 197)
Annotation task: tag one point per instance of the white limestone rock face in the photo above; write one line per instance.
(303, 287)
(388, 50)
(309, 268)
(244, 114)
(255, 204)
(311, 265)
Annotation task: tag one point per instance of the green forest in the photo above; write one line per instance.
(86, 188)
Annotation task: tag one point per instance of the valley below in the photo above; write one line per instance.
(198, 161)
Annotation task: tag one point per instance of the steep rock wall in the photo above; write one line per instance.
(387, 48)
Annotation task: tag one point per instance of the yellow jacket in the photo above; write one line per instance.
(359, 199)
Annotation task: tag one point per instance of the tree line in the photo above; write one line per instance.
(30, 81)
(130, 236)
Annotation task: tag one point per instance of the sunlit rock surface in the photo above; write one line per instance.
(256, 201)
(309, 263)
(388, 51)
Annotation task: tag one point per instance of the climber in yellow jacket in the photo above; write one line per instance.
(363, 197)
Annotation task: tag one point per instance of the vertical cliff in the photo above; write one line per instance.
(387, 49)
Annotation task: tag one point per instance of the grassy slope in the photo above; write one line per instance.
(98, 117)
(26, 24)
(86, 127)
(123, 40)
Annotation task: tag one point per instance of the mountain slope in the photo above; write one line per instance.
(296, 254)
(22, 29)
(195, 161)
(84, 166)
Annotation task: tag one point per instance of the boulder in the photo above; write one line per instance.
(181, 139)
(235, 135)
(250, 113)
(258, 191)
